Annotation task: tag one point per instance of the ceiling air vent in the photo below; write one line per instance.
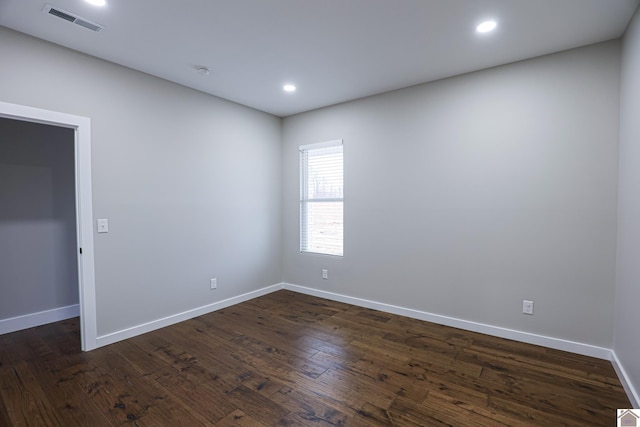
(68, 16)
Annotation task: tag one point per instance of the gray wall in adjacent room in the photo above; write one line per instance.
(190, 183)
(627, 306)
(467, 195)
(38, 260)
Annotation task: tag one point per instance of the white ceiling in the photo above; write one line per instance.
(333, 50)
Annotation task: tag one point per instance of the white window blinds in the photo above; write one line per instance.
(321, 198)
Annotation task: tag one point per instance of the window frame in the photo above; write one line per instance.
(305, 200)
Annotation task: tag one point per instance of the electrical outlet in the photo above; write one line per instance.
(527, 307)
(214, 283)
(325, 273)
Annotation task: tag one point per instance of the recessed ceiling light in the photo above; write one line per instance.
(97, 2)
(289, 88)
(487, 26)
(202, 70)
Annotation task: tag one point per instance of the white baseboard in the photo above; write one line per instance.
(181, 317)
(31, 320)
(527, 337)
(632, 393)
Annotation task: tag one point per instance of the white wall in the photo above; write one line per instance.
(190, 183)
(38, 260)
(467, 195)
(627, 303)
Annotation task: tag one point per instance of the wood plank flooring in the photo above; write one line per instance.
(288, 359)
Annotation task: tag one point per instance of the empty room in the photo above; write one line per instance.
(317, 213)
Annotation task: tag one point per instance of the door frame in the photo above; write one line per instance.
(84, 207)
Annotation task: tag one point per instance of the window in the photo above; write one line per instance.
(321, 198)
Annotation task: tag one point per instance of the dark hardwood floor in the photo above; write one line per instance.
(289, 359)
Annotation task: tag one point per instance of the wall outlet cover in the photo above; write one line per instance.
(103, 225)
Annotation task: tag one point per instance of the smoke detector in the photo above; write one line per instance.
(73, 18)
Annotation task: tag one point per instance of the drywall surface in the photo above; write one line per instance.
(190, 183)
(467, 195)
(38, 260)
(627, 303)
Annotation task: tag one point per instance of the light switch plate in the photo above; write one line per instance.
(103, 226)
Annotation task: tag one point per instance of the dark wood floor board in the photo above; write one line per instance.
(479, 386)
(372, 416)
(330, 361)
(217, 325)
(553, 359)
(586, 363)
(372, 367)
(114, 398)
(4, 413)
(537, 396)
(342, 351)
(454, 411)
(347, 330)
(379, 354)
(288, 300)
(126, 396)
(537, 359)
(239, 419)
(206, 398)
(301, 313)
(398, 350)
(257, 406)
(287, 359)
(582, 391)
(250, 352)
(278, 372)
(326, 330)
(144, 362)
(523, 414)
(492, 344)
(414, 389)
(405, 412)
(446, 383)
(306, 407)
(26, 402)
(217, 355)
(66, 396)
(64, 338)
(365, 317)
(16, 346)
(416, 386)
(356, 390)
(264, 385)
(439, 365)
(509, 370)
(425, 344)
(246, 316)
(274, 340)
(245, 325)
(340, 398)
(173, 355)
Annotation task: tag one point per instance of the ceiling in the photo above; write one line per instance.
(332, 50)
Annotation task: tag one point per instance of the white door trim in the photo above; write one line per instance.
(84, 207)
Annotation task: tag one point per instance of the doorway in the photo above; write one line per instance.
(73, 220)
